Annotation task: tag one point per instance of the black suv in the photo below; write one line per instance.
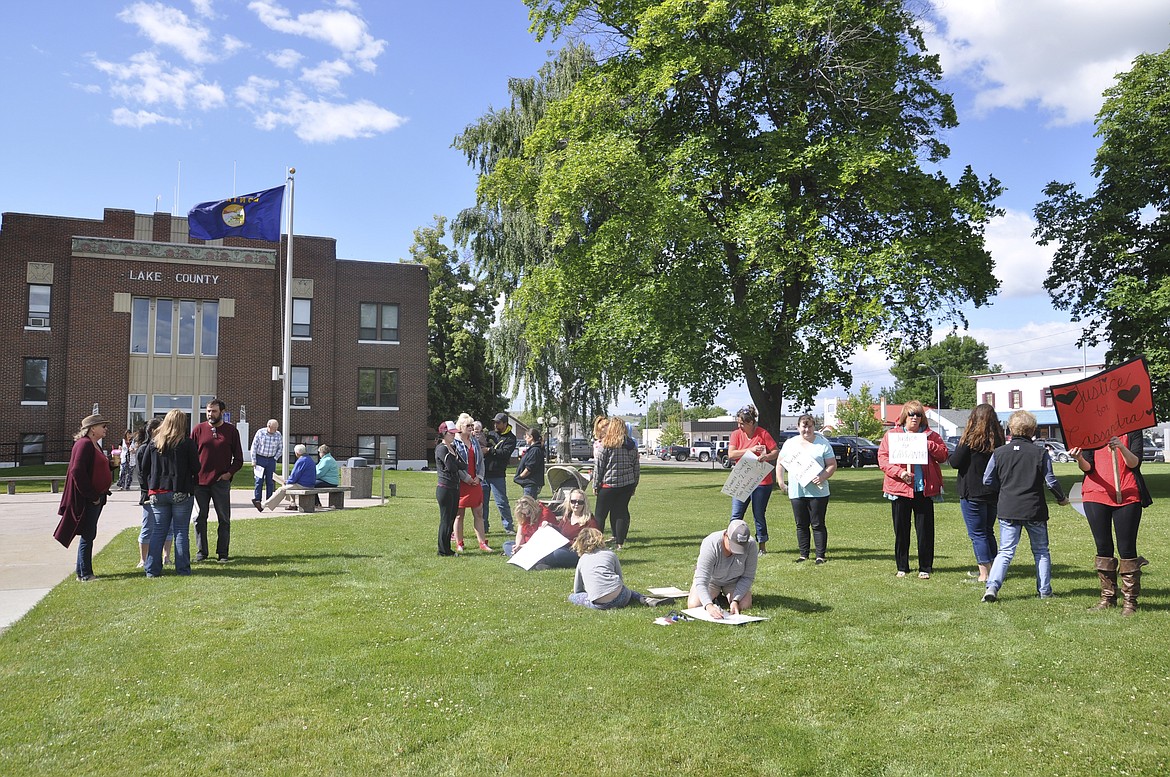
(863, 451)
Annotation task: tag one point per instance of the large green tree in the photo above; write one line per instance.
(920, 372)
(856, 416)
(509, 246)
(745, 190)
(459, 376)
(1111, 266)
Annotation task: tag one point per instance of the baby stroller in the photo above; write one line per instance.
(563, 479)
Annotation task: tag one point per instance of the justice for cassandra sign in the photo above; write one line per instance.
(1109, 404)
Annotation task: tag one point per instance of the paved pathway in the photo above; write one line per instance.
(32, 562)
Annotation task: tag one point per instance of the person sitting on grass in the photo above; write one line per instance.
(725, 571)
(1020, 470)
(530, 515)
(598, 583)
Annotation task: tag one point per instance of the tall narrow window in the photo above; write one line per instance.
(140, 325)
(989, 398)
(36, 381)
(1046, 397)
(299, 386)
(377, 388)
(378, 322)
(186, 327)
(384, 446)
(164, 324)
(1015, 399)
(39, 298)
(209, 342)
(136, 410)
(302, 315)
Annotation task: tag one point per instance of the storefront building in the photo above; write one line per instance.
(125, 313)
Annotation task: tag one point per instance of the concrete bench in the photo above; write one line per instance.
(307, 502)
(55, 481)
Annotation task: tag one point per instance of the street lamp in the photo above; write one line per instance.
(938, 385)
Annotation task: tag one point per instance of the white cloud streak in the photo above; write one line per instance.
(170, 27)
(320, 121)
(340, 28)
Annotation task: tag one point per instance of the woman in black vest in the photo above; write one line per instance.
(448, 464)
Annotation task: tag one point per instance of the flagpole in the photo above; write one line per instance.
(286, 364)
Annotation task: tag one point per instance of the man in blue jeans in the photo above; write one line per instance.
(220, 457)
(497, 454)
(266, 446)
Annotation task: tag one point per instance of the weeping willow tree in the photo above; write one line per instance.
(548, 361)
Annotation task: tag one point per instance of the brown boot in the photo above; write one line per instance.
(1131, 583)
(1107, 574)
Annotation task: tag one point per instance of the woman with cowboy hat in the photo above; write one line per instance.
(87, 484)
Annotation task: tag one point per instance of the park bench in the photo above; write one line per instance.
(55, 481)
(305, 496)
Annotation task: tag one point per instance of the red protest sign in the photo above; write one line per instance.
(1111, 403)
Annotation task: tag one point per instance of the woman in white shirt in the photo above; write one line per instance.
(810, 500)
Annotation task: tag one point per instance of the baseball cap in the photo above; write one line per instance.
(738, 536)
(500, 418)
(446, 426)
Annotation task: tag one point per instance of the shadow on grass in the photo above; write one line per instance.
(776, 602)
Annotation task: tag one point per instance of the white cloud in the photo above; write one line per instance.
(1020, 265)
(166, 26)
(1036, 345)
(124, 117)
(285, 59)
(1059, 54)
(341, 28)
(319, 121)
(148, 80)
(203, 8)
(208, 96)
(232, 44)
(255, 90)
(326, 77)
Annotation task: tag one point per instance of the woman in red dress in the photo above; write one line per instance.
(470, 483)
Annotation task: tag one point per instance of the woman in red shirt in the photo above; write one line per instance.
(1109, 509)
(750, 436)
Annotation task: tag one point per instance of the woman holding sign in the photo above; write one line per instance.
(809, 461)
(1115, 506)
(752, 438)
(913, 483)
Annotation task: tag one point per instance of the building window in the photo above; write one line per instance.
(299, 386)
(136, 411)
(140, 325)
(186, 327)
(383, 446)
(989, 398)
(203, 400)
(310, 441)
(39, 297)
(302, 317)
(1015, 399)
(209, 345)
(378, 322)
(1046, 398)
(378, 388)
(164, 325)
(36, 381)
(32, 448)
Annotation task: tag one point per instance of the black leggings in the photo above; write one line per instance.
(1104, 519)
(616, 501)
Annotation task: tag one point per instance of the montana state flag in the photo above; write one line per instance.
(255, 215)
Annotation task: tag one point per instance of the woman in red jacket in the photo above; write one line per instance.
(87, 484)
(913, 489)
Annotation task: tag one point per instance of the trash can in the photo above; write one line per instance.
(359, 477)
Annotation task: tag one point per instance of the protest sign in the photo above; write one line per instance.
(748, 473)
(907, 448)
(1109, 404)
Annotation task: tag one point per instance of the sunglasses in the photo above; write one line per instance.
(576, 501)
(914, 415)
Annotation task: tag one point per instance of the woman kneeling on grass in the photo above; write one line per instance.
(598, 583)
(530, 515)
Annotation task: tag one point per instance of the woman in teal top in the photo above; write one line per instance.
(808, 457)
(328, 473)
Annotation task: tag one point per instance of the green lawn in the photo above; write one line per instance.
(340, 644)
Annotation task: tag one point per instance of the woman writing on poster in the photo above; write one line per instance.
(1115, 506)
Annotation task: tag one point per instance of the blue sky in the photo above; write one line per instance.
(129, 104)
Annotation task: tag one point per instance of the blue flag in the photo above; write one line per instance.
(255, 215)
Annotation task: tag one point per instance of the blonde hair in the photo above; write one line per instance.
(615, 433)
(172, 430)
(567, 509)
(1022, 424)
(913, 406)
(599, 425)
(463, 420)
(527, 507)
(588, 541)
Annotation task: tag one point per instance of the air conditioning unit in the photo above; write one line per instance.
(300, 401)
(38, 322)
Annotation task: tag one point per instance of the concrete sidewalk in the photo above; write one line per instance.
(33, 563)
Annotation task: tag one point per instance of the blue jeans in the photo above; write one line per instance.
(499, 487)
(759, 502)
(268, 463)
(172, 513)
(621, 600)
(86, 534)
(1009, 538)
(532, 491)
(980, 520)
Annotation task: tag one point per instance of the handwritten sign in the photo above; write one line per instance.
(1109, 404)
(545, 540)
(907, 448)
(748, 473)
(800, 464)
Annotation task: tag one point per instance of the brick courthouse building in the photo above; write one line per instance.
(127, 313)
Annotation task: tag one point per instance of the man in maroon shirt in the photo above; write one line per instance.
(220, 457)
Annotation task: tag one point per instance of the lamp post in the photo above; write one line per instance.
(938, 386)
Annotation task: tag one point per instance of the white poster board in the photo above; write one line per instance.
(907, 448)
(801, 465)
(747, 473)
(728, 619)
(544, 541)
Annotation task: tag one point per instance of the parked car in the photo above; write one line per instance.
(1151, 451)
(1056, 449)
(702, 450)
(676, 452)
(864, 451)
